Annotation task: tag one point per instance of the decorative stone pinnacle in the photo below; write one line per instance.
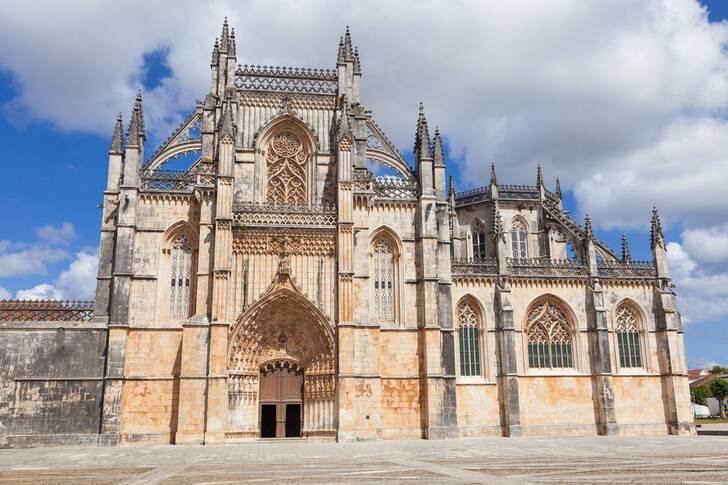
(539, 176)
(227, 127)
(215, 51)
(497, 225)
(438, 155)
(231, 46)
(348, 51)
(451, 188)
(357, 63)
(422, 137)
(656, 236)
(493, 179)
(135, 133)
(224, 37)
(558, 188)
(588, 227)
(117, 140)
(340, 57)
(625, 249)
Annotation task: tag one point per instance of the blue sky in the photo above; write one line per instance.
(59, 92)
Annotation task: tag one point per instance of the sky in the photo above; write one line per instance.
(625, 101)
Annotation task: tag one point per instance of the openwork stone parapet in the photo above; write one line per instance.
(626, 269)
(474, 266)
(541, 267)
(267, 214)
(286, 79)
(46, 310)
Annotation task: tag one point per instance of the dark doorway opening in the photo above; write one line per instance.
(293, 420)
(268, 421)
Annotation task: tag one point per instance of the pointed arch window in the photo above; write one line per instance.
(383, 280)
(469, 339)
(628, 337)
(286, 164)
(478, 240)
(180, 277)
(518, 240)
(549, 337)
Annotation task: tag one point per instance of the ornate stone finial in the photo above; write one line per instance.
(215, 52)
(224, 38)
(497, 225)
(625, 249)
(117, 140)
(558, 188)
(227, 127)
(493, 179)
(348, 51)
(357, 63)
(438, 155)
(539, 176)
(656, 236)
(422, 137)
(231, 46)
(451, 188)
(340, 57)
(343, 127)
(588, 227)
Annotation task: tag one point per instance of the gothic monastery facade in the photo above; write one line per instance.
(277, 286)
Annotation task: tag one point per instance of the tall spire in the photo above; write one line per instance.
(215, 52)
(625, 249)
(224, 38)
(422, 136)
(539, 176)
(340, 57)
(588, 227)
(451, 188)
(231, 46)
(357, 63)
(656, 236)
(135, 133)
(558, 188)
(348, 51)
(438, 154)
(117, 140)
(343, 127)
(493, 179)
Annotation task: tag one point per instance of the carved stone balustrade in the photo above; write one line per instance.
(394, 187)
(474, 267)
(286, 79)
(626, 269)
(46, 310)
(549, 268)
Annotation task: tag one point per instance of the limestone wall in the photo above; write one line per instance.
(51, 384)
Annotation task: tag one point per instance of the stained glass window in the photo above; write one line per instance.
(628, 338)
(383, 291)
(180, 276)
(469, 340)
(549, 338)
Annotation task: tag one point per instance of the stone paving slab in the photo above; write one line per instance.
(597, 459)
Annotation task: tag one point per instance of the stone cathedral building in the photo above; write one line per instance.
(276, 284)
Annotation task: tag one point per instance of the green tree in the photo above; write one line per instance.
(699, 395)
(718, 369)
(719, 390)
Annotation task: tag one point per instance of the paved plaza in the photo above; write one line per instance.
(665, 459)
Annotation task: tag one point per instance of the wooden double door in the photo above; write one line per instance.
(281, 401)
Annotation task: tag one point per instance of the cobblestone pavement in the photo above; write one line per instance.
(598, 459)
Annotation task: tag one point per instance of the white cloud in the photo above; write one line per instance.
(62, 234)
(701, 363)
(4, 294)
(702, 297)
(15, 262)
(76, 282)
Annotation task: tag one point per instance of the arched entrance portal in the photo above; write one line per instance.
(281, 365)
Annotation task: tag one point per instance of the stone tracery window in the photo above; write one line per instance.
(469, 339)
(549, 337)
(383, 280)
(180, 277)
(286, 161)
(628, 337)
(478, 240)
(518, 240)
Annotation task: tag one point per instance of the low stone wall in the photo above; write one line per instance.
(51, 382)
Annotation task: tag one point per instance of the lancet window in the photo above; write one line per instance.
(628, 337)
(286, 161)
(469, 339)
(478, 240)
(383, 280)
(180, 277)
(518, 240)
(549, 338)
